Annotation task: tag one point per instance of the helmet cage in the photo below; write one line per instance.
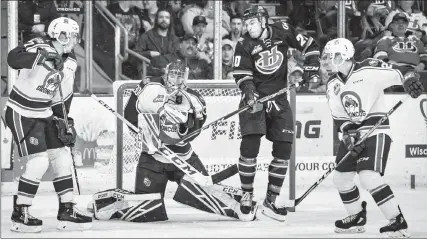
(176, 76)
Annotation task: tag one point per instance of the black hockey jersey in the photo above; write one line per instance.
(149, 97)
(34, 95)
(357, 101)
(264, 62)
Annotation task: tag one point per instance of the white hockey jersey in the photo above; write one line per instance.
(34, 94)
(149, 97)
(357, 102)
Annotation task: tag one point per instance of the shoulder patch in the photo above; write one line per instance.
(373, 62)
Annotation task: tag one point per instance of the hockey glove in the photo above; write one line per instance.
(311, 72)
(67, 137)
(349, 139)
(50, 56)
(250, 97)
(412, 84)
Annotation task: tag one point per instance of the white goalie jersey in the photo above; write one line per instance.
(152, 98)
(358, 101)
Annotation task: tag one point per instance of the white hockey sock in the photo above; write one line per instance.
(349, 193)
(29, 181)
(381, 192)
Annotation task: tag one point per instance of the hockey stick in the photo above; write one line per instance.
(64, 112)
(189, 170)
(244, 108)
(365, 136)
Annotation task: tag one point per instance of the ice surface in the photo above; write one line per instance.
(314, 217)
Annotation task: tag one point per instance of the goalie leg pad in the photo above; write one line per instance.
(124, 205)
(208, 199)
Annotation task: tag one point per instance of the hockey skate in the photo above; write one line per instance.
(397, 228)
(248, 207)
(22, 221)
(270, 210)
(354, 223)
(71, 219)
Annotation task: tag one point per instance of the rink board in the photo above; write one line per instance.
(218, 147)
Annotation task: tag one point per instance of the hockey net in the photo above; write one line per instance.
(217, 147)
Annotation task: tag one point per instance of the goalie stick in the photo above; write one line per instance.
(189, 170)
(365, 136)
(238, 111)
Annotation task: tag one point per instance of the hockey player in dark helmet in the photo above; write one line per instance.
(260, 69)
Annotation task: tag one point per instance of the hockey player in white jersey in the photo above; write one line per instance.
(35, 117)
(356, 100)
(178, 111)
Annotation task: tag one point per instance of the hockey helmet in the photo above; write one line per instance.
(337, 51)
(255, 12)
(66, 26)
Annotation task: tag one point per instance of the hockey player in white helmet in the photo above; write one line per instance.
(34, 115)
(356, 100)
(178, 111)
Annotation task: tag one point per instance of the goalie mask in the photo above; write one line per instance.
(335, 53)
(66, 31)
(176, 75)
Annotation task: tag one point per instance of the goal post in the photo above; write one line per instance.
(217, 146)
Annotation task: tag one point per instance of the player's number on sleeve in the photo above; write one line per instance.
(301, 39)
(237, 61)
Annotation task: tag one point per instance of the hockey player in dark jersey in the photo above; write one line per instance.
(356, 100)
(260, 69)
(35, 117)
(178, 111)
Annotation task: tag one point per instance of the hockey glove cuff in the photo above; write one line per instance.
(311, 72)
(50, 56)
(412, 84)
(349, 139)
(250, 97)
(67, 137)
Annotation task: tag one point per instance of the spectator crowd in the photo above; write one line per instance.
(162, 31)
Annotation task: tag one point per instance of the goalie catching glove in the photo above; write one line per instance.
(412, 84)
(178, 120)
(67, 136)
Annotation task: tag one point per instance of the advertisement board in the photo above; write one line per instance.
(218, 146)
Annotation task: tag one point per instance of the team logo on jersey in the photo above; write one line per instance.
(405, 47)
(50, 84)
(352, 105)
(256, 49)
(423, 108)
(270, 61)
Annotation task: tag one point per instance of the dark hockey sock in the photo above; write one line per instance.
(385, 200)
(350, 196)
(247, 171)
(276, 175)
(27, 190)
(64, 188)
